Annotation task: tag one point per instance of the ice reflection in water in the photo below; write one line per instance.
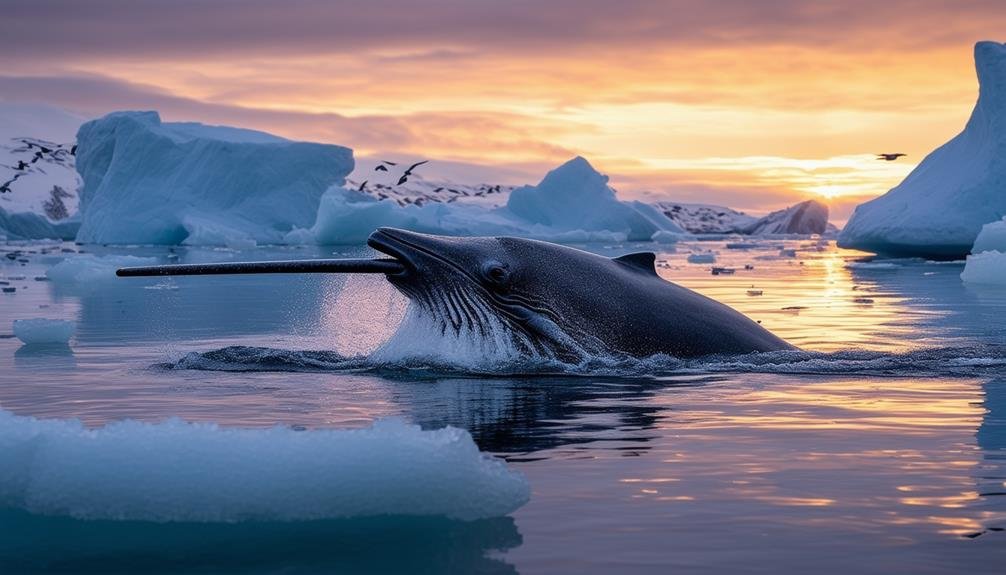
(714, 473)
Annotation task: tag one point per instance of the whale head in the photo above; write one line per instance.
(527, 291)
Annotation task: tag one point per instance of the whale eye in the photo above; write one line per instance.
(495, 272)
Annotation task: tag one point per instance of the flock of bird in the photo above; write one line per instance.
(54, 151)
(383, 167)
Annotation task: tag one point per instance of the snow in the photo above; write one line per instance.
(89, 269)
(37, 168)
(992, 237)
(41, 330)
(152, 182)
(572, 204)
(939, 209)
(201, 472)
(988, 267)
(805, 218)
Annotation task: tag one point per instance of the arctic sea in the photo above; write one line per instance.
(881, 448)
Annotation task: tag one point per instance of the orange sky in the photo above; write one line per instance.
(749, 104)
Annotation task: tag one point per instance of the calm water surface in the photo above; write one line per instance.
(830, 467)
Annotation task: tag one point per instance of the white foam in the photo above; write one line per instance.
(988, 267)
(178, 471)
(41, 330)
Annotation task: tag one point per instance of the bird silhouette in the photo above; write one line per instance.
(363, 186)
(889, 157)
(380, 168)
(408, 172)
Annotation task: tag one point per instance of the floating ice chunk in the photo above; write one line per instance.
(88, 268)
(992, 237)
(988, 267)
(871, 265)
(177, 471)
(702, 258)
(41, 330)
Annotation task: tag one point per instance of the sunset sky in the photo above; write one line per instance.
(755, 105)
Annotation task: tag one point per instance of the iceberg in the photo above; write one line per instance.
(987, 262)
(175, 471)
(575, 196)
(985, 268)
(43, 331)
(573, 203)
(939, 209)
(152, 182)
(991, 238)
(805, 218)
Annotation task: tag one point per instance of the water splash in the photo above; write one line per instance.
(976, 361)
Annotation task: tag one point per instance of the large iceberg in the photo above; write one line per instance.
(576, 197)
(152, 182)
(200, 472)
(573, 203)
(938, 210)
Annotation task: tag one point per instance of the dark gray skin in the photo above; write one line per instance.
(562, 302)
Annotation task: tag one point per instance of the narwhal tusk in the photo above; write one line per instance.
(345, 266)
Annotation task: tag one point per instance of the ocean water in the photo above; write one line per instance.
(878, 448)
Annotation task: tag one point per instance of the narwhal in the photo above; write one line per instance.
(550, 300)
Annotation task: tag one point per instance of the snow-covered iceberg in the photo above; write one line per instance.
(573, 203)
(38, 182)
(576, 197)
(938, 210)
(200, 472)
(152, 182)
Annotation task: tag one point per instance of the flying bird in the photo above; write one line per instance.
(380, 168)
(889, 157)
(408, 172)
(363, 186)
